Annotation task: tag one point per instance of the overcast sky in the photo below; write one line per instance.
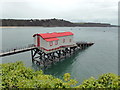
(105, 11)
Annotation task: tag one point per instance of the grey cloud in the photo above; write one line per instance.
(74, 11)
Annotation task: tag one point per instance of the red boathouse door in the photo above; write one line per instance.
(38, 41)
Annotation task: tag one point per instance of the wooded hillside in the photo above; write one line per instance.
(50, 23)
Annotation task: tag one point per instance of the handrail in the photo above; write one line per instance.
(17, 48)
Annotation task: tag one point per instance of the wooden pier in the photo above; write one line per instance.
(42, 58)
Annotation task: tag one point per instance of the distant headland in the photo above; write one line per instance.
(50, 23)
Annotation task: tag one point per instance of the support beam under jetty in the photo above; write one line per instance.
(44, 59)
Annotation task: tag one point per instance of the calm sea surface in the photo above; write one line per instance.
(100, 58)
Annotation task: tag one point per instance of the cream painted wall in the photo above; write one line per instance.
(53, 46)
(67, 42)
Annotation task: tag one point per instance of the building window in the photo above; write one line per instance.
(56, 42)
(51, 43)
(63, 40)
(70, 40)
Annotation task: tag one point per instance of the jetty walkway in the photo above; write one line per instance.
(16, 50)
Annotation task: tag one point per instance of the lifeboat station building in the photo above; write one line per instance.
(49, 42)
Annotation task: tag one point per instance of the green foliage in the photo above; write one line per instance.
(16, 75)
(108, 80)
(66, 77)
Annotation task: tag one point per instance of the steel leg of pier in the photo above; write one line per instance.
(32, 55)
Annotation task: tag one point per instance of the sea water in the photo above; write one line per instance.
(100, 58)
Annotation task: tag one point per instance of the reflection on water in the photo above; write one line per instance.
(63, 65)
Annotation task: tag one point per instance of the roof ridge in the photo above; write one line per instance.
(55, 34)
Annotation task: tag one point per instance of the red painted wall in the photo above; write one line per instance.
(38, 41)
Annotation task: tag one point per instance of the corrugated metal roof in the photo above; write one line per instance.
(51, 39)
(53, 35)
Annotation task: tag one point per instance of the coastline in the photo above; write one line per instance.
(54, 26)
(17, 26)
(15, 23)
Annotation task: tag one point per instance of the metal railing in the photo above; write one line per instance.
(17, 48)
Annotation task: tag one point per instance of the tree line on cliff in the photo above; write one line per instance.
(50, 23)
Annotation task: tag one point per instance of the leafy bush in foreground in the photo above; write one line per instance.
(16, 75)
